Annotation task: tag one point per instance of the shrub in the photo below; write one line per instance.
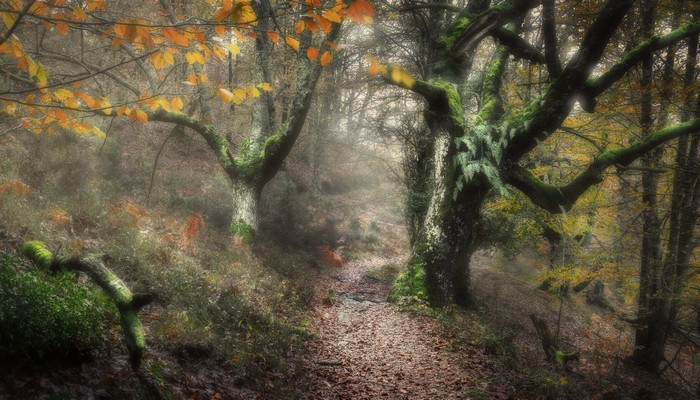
(44, 316)
(410, 283)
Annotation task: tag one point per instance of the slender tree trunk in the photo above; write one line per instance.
(653, 313)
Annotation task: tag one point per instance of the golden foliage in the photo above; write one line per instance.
(135, 212)
(15, 186)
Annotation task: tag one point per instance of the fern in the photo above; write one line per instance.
(479, 153)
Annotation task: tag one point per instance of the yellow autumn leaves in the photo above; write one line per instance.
(237, 95)
(394, 73)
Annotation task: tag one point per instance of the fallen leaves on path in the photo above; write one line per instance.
(369, 349)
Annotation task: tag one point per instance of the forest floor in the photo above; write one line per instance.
(367, 348)
(363, 347)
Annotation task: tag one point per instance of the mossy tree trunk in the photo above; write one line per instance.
(473, 157)
(268, 143)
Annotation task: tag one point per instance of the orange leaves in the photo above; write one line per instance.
(225, 95)
(8, 19)
(361, 11)
(299, 27)
(78, 14)
(63, 94)
(193, 227)
(174, 36)
(62, 27)
(177, 104)
(397, 75)
(326, 58)
(402, 78)
(136, 213)
(265, 86)
(59, 217)
(239, 94)
(330, 258)
(162, 59)
(274, 36)
(375, 68)
(137, 32)
(311, 53)
(140, 116)
(194, 57)
(240, 12)
(332, 15)
(15, 186)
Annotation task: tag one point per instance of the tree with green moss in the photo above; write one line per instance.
(482, 135)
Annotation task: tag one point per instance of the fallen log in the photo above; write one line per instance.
(93, 266)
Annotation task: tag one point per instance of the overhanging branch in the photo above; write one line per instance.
(595, 87)
(557, 199)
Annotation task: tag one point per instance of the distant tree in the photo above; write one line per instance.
(488, 151)
(67, 63)
(664, 271)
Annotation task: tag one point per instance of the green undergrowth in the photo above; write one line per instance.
(410, 284)
(45, 316)
(244, 231)
(216, 305)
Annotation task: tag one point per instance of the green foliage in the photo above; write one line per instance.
(410, 283)
(512, 223)
(43, 316)
(479, 155)
(243, 230)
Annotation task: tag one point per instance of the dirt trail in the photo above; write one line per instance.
(368, 349)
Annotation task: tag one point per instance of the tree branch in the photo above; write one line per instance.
(557, 199)
(82, 78)
(438, 6)
(468, 30)
(278, 146)
(543, 116)
(595, 87)
(549, 33)
(127, 304)
(216, 142)
(518, 46)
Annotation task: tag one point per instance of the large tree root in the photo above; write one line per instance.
(128, 304)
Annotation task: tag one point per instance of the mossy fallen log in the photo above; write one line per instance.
(93, 266)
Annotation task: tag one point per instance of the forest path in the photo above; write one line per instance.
(369, 349)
